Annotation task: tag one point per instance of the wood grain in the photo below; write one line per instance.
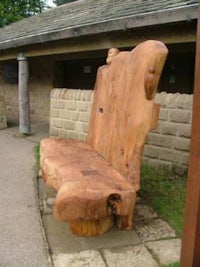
(98, 180)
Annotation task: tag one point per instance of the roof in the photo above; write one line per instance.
(86, 17)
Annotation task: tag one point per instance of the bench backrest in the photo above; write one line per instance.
(123, 109)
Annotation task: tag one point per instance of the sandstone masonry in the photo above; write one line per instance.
(168, 145)
(3, 119)
(69, 113)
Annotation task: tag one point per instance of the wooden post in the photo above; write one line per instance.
(24, 109)
(190, 253)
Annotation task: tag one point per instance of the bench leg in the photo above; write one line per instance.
(91, 227)
(126, 222)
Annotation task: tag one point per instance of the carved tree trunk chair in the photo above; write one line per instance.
(97, 180)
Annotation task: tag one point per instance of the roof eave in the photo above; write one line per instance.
(118, 24)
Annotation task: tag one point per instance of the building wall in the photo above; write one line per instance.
(168, 145)
(69, 113)
(40, 86)
(3, 119)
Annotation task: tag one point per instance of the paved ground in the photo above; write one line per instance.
(22, 239)
(151, 243)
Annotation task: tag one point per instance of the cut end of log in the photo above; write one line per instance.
(91, 227)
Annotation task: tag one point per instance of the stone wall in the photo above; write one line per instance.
(3, 119)
(69, 113)
(40, 86)
(168, 145)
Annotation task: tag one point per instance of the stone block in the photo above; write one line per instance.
(84, 116)
(166, 140)
(87, 258)
(81, 127)
(169, 155)
(181, 143)
(64, 114)
(188, 103)
(63, 133)
(77, 94)
(157, 163)
(151, 230)
(74, 116)
(185, 158)
(54, 113)
(164, 114)
(144, 212)
(184, 130)
(53, 131)
(82, 136)
(72, 135)
(71, 94)
(87, 95)
(57, 104)
(69, 125)
(168, 128)
(82, 106)
(58, 123)
(153, 139)
(171, 100)
(129, 256)
(71, 105)
(180, 116)
(160, 98)
(166, 251)
(150, 151)
(180, 101)
(179, 170)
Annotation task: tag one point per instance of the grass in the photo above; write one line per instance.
(176, 264)
(166, 195)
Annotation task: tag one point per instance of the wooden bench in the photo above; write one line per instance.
(97, 180)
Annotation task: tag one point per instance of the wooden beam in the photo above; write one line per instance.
(168, 34)
(190, 253)
(24, 109)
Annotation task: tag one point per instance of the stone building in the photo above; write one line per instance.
(65, 45)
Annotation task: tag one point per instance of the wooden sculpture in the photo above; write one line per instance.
(97, 180)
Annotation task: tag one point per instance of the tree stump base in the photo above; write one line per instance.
(91, 227)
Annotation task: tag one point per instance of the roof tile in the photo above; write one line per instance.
(84, 12)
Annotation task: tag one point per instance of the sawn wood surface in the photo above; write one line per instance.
(99, 179)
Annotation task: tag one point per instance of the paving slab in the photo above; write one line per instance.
(144, 212)
(87, 258)
(137, 256)
(166, 251)
(155, 229)
(61, 240)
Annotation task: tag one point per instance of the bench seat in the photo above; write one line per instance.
(89, 187)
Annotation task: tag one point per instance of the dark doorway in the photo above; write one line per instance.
(178, 74)
(76, 74)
